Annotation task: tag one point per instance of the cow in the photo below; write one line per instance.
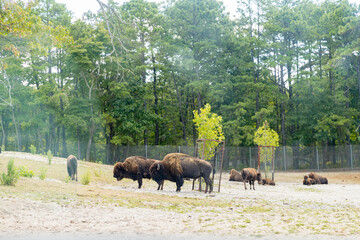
(176, 167)
(135, 168)
(71, 163)
(318, 179)
(250, 174)
(235, 176)
(267, 181)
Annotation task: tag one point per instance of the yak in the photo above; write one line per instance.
(318, 179)
(71, 163)
(176, 167)
(235, 176)
(135, 168)
(250, 174)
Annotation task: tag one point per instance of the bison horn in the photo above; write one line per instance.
(158, 167)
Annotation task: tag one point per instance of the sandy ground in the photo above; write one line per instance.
(288, 210)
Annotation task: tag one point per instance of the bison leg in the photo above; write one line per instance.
(161, 185)
(208, 182)
(245, 183)
(139, 178)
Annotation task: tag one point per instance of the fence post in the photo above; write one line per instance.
(146, 155)
(179, 150)
(351, 158)
(284, 150)
(317, 158)
(250, 155)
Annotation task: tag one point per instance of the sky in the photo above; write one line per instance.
(78, 7)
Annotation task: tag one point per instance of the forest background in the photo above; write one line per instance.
(133, 73)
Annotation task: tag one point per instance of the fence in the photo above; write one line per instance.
(285, 158)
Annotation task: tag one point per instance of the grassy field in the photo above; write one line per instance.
(289, 208)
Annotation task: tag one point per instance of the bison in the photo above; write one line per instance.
(235, 176)
(267, 181)
(135, 168)
(71, 163)
(308, 181)
(250, 174)
(318, 179)
(176, 167)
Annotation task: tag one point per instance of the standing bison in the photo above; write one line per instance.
(135, 168)
(250, 174)
(72, 167)
(176, 167)
(235, 176)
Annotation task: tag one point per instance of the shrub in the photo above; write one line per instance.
(32, 149)
(85, 178)
(24, 172)
(11, 177)
(42, 175)
(67, 179)
(98, 172)
(50, 156)
(2, 148)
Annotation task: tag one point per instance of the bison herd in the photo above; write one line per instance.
(176, 167)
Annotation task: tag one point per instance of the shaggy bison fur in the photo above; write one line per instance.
(318, 179)
(250, 174)
(235, 176)
(176, 167)
(267, 181)
(72, 166)
(135, 168)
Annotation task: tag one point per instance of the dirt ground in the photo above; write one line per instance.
(107, 209)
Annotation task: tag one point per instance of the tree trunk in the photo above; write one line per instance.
(157, 130)
(181, 111)
(3, 139)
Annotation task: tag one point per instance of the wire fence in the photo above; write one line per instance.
(285, 158)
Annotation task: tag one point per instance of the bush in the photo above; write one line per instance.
(2, 148)
(50, 156)
(11, 177)
(42, 175)
(32, 149)
(23, 171)
(67, 179)
(85, 178)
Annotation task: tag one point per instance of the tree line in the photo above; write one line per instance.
(132, 74)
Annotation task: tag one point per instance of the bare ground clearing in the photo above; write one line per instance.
(109, 209)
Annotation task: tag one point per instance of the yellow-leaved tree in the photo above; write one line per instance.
(267, 139)
(209, 127)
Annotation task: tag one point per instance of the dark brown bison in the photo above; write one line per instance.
(250, 174)
(72, 166)
(318, 179)
(235, 176)
(135, 168)
(176, 167)
(308, 181)
(267, 181)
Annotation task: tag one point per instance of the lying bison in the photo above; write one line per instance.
(176, 167)
(267, 181)
(250, 174)
(308, 181)
(235, 176)
(318, 179)
(135, 168)
(72, 166)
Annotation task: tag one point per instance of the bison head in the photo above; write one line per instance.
(119, 171)
(258, 177)
(157, 172)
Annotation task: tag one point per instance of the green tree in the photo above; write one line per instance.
(209, 127)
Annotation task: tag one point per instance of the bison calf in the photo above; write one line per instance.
(72, 167)
(235, 176)
(267, 181)
(250, 174)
